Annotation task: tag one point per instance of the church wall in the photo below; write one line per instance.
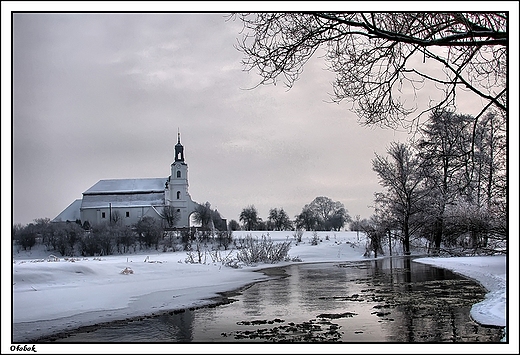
(129, 215)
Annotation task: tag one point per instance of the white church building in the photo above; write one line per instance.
(133, 199)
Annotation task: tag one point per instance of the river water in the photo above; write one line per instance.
(387, 300)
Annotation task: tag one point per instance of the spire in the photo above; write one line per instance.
(179, 149)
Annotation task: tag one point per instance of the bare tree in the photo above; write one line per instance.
(149, 231)
(307, 219)
(116, 218)
(26, 236)
(445, 154)
(233, 225)
(170, 215)
(490, 158)
(377, 57)
(279, 219)
(464, 163)
(375, 230)
(356, 225)
(330, 214)
(402, 178)
(203, 215)
(249, 217)
(124, 238)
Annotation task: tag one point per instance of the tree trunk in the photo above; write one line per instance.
(406, 240)
(437, 237)
(390, 242)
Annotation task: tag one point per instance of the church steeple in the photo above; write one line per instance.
(176, 192)
(179, 149)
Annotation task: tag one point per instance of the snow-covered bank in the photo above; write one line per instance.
(52, 296)
(490, 272)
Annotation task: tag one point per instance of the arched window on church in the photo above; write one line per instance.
(178, 195)
(178, 173)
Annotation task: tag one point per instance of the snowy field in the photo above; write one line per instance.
(64, 293)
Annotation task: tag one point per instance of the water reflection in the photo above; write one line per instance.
(386, 300)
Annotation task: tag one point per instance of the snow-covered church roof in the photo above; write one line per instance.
(118, 186)
(125, 193)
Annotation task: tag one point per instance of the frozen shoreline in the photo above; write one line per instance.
(64, 295)
(490, 272)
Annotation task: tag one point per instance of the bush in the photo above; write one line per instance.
(225, 238)
(99, 241)
(196, 254)
(89, 245)
(124, 238)
(298, 234)
(149, 232)
(263, 251)
(315, 238)
(26, 239)
(233, 225)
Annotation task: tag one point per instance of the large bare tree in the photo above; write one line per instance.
(400, 175)
(382, 60)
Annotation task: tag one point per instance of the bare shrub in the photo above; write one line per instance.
(263, 251)
(315, 238)
(298, 234)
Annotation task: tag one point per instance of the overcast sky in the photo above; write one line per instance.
(101, 96)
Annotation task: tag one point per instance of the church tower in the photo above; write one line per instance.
(176, 192)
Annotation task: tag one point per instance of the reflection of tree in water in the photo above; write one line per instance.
(317, 282)
(175, 326)
(253, 306)
(428, 304)
(178, 327)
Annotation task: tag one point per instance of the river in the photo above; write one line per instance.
(388, 300)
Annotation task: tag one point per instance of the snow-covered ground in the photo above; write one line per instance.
(63, 294)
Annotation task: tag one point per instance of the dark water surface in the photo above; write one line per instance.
(389, 300)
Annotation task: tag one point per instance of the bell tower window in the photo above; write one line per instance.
(178, 173)
(178, 195)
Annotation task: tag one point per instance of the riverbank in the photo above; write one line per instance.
(53, 296)
(491, 273)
